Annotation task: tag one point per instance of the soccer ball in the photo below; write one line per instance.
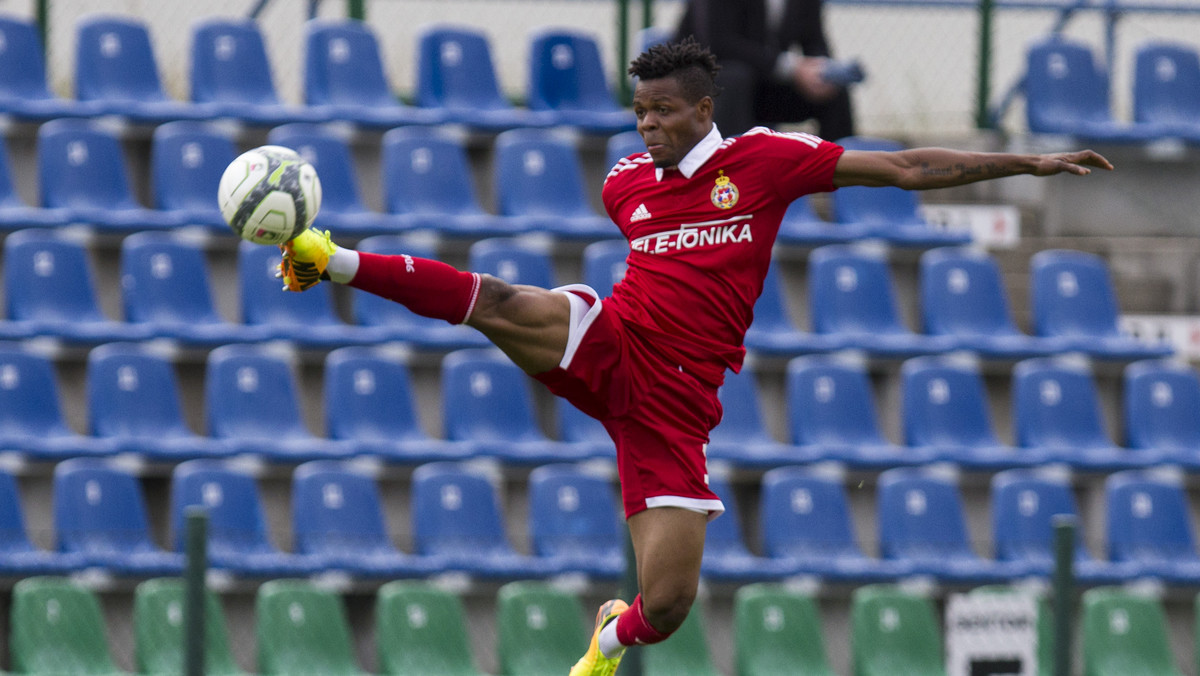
(269, 195)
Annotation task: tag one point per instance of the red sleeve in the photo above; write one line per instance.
(799, 164)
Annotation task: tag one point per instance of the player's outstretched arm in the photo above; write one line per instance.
(927, 168)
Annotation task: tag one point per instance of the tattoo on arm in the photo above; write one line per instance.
(963, 171)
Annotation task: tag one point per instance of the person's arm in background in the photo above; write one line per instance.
(927, 168)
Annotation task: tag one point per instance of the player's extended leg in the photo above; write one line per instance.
(527, 323)
(668, 543)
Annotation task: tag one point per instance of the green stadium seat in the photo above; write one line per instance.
(1124, 634)
(303, 631)
(421, 630)
(158, 618)
(894, 633)
(540, 629)
(684, 654)
(777, 631)
(58, 630)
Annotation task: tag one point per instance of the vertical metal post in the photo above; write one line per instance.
(631, 664)
(1064, 591)
(43, 22)
(623, 92)
(356, 9)
(194, 589)
(984, 80)
(647, 14)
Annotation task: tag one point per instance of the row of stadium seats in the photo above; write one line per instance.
(427, 184)
(167, 292)
(252, 407)
(457, 525)
(1067, 92)
(421, 629)
(344, 73)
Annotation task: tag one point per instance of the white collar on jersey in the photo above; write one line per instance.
(698, 155)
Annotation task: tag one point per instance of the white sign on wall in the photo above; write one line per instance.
(991, 635)
(992, 225)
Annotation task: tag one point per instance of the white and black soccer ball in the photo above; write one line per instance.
(269, 195)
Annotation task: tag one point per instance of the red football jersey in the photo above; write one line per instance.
(701, 237)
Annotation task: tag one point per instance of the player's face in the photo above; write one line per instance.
(669, 124)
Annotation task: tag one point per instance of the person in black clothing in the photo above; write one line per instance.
(763, 80)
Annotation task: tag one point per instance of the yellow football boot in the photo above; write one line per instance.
(593, 662)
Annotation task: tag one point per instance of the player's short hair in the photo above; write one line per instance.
(689, 62)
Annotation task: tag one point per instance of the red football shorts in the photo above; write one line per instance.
(657, 414)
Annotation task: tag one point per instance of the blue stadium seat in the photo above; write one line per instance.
(487, 404)
(1056, 410)
(345, 77)
(890, 213)
(604, 264)
(337, 518)
(187, 160)
(574, 521)
(133, 399)
(1166, 88)
(239, 543)
(1149, 524)
(456, 77)
(539, 184)
(306, 318)
(806, 522)
(578, 428)
(100, 514)
(801, 226)
(166, 289)
(427, 181)
(31, 414)
(962, 296)
(14, 211)
(566, 77)
(1162, 410)
(18, 556)
(49, 292)
(457, 521)
(742, 437)
(831, 413)
(622, 145)
(514, 260)
(946, 414)
(81, 170)
(252, 403)
(1066, 92)
(369, 404)
(726, 557)
(922, 522)
(773, 332)
(342, 209)
(397, 322)
(851, 294)
(1024, 504)
(24, 92)
(116, 70)
(1073, 298)
(231, 72)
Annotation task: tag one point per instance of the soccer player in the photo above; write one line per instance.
(700, 213)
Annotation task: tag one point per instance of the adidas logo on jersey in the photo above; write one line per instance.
(640, 214)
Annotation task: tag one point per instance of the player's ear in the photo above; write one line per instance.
(704, 108)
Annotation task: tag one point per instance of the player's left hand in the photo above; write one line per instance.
(1079, 163)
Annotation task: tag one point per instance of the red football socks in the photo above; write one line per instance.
(427, 287)
(633, 629)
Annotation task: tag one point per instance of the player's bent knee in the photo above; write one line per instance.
(667, 611)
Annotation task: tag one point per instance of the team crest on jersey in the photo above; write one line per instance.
(724, 193)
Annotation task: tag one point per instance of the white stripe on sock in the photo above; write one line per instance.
(608, 643)
(343, 265)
